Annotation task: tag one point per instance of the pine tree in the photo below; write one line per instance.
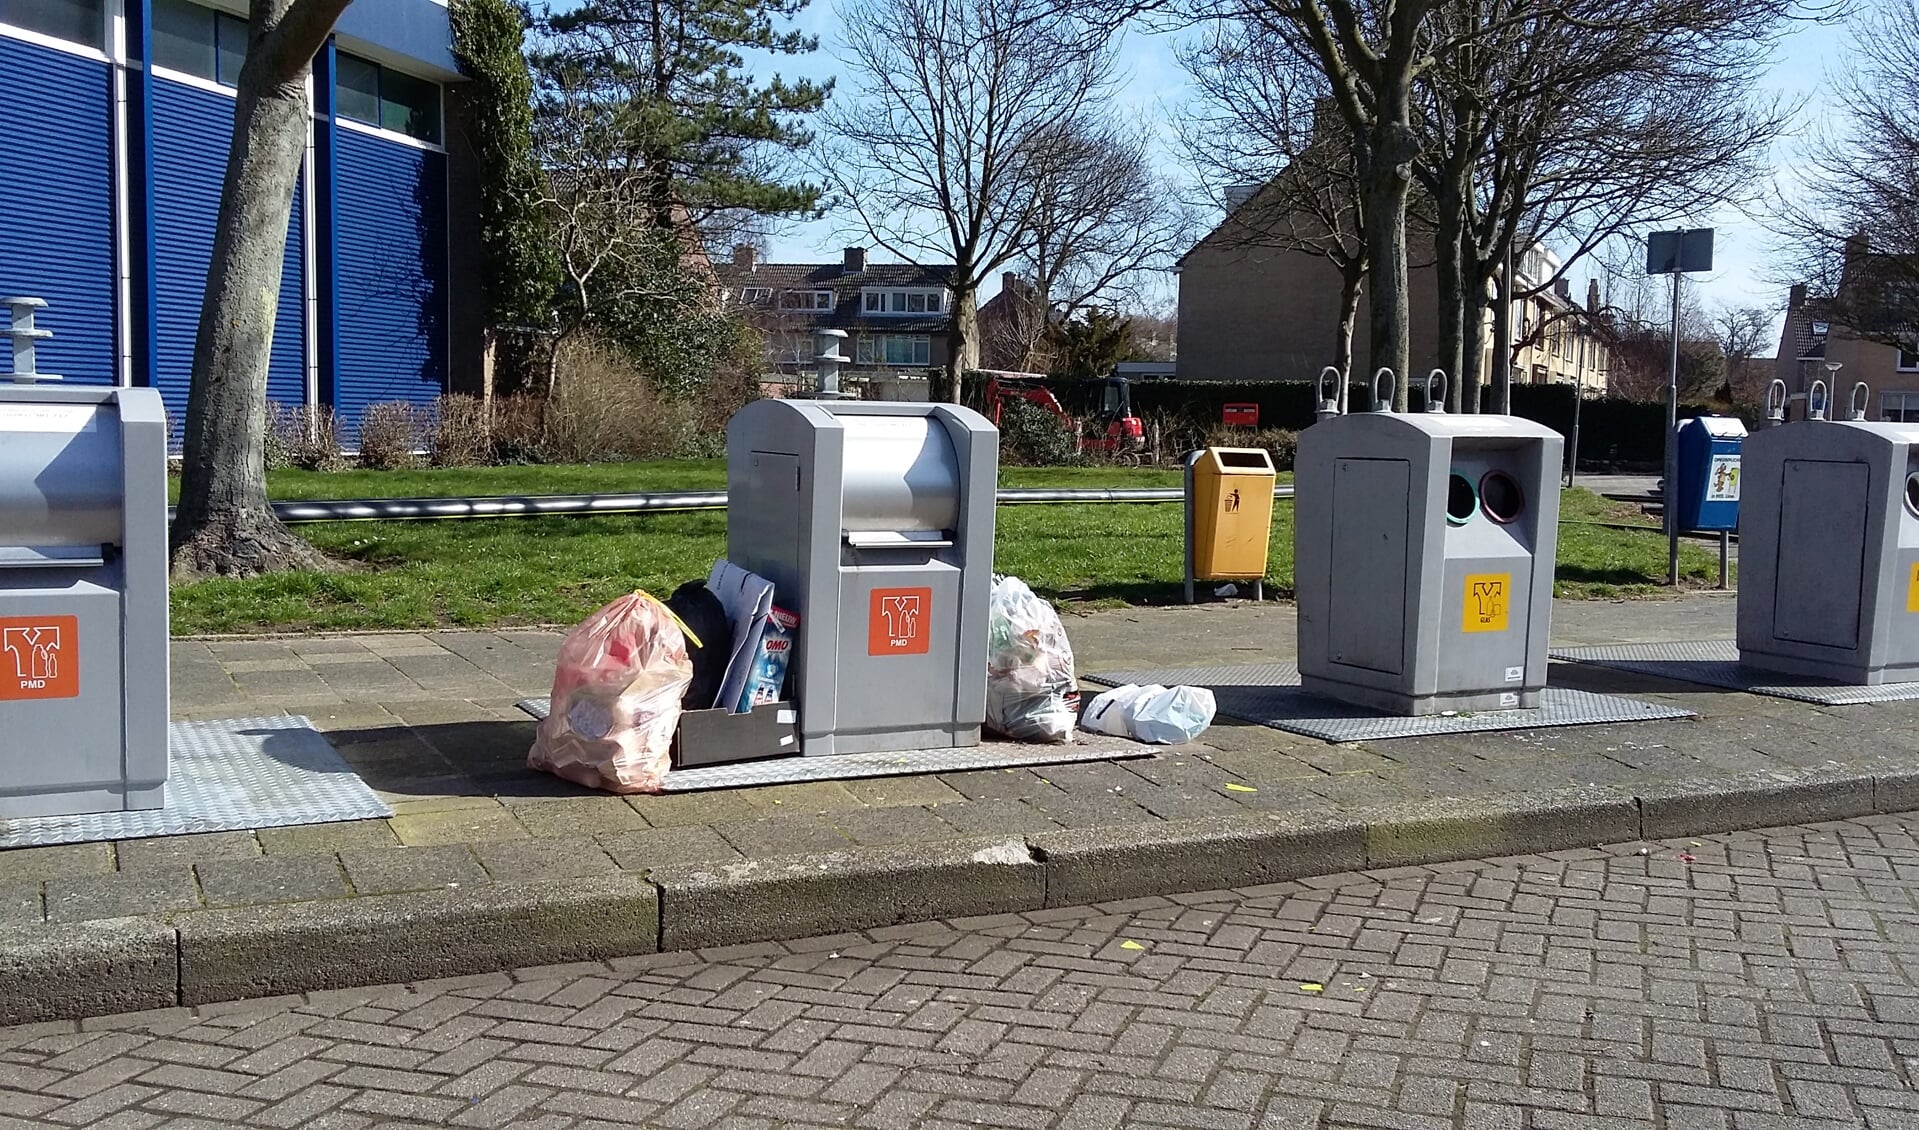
(710, 138)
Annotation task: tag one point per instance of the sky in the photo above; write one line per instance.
(1156, 84)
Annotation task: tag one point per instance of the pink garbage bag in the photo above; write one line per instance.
(616, 699)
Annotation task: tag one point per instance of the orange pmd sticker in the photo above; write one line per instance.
(39, 657)
(896, 622)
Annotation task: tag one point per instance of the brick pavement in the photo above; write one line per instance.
(428, 721)
(1746, 981)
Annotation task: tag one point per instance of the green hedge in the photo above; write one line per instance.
(1612, 432)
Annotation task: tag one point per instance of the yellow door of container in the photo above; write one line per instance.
(1232, 513)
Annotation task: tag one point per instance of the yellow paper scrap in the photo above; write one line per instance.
(1129, 944)
(1233, 787)
(1311, 987)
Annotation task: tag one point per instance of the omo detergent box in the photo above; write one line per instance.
(767, 678)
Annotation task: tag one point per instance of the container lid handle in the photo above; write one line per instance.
(1817, 399)
(1383, 401)
(1861, 399)
(1436, 401)
(1328, 388)
(1776, 401)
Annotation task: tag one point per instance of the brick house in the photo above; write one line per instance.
(897, 316)
(1815, 345)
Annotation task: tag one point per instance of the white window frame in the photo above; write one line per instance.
(110, 12)
(1899, 407)
(1902, 364)
(752, 295)
(892, 301)
(819, 300)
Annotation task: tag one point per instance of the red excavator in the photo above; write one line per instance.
(1105, 422)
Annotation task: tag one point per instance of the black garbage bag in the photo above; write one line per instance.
(702, 612)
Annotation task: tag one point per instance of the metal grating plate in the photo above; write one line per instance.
(229, 775)
(852, 766)
(1270, 695)
(1715, 663)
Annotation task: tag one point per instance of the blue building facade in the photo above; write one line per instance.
(115, 118)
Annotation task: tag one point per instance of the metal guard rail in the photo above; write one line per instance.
(526, 506)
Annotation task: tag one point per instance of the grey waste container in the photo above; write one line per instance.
(1423, 548)
(874, 521)
(1829, 548)
(83, 600)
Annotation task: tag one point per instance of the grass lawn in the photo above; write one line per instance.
(555, 570)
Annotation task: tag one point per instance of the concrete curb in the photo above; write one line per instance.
(128, 964)
(378, 939)
(804, 896)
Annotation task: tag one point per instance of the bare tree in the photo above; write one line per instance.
(1262, 119)
(1744, 334)
(1575, 122)
(1851, 230)
(955, 103)
(224, 525)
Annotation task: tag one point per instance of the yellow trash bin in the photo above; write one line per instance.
(1231, 500)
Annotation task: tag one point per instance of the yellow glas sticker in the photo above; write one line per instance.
(1487, 598)
(1912, 588)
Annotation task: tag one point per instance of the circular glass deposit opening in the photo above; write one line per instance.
(1500, 497)
(1461, 499)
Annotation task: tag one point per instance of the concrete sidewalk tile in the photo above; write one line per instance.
(226, 650)
(774, 899)
(893, 826)
(657, 847)
(575, 816)
(417, 804)
(1098, 865)
(184, 851)
(673, 809)
(281, 878)
(267, 951)
(22, 904)
(391, 870)
(308, 646)
(998, 817)
(1753, 800)
(782, 835)
(812, 798)
(526, 861)
(29, 864)
(462, 825)
(87, 969)
(998, 784)
(894, 792)
(114, 896)
(1449, 828)
(342, 835)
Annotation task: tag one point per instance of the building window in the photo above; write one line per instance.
(76, 21)
(1908, 361)
(199, 41)
(1899, 407)
(754, 295)
(894, 349)
(806, 300)
(915, 300)
(371, 94)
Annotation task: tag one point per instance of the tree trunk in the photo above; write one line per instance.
(963, 345)
(1452, 301)
(224, 525)
(1472, 293)
(1351, 278)
(1383, 183)
(1500, 401)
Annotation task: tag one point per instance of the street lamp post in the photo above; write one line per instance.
(1675, 253)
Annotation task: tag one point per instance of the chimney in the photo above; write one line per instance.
(1795, 297)
(1563, 287)
(1326, 119)
(745, 257)
(1592, 294)
(855, 260)
(1238, 194)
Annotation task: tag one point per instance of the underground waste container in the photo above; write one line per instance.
(1424, 548)
(83, 600)
(874, 522)
(1829, 548)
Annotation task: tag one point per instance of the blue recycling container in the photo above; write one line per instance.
(1708, 494)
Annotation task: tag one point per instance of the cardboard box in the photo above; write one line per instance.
(717, 737)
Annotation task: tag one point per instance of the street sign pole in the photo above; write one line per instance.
(1675, 253)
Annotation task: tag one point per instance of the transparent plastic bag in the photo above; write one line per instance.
(1031, 692)
(616, 699)
(1172, 715)
(1152, 713)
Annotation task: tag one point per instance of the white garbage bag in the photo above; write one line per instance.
(1152, 713)
(1031, 692)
